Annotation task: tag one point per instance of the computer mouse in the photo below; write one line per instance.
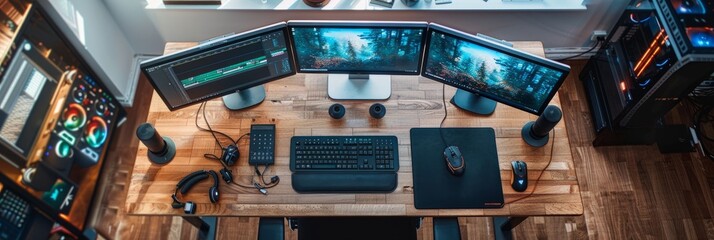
(230, 155)
(519, 178)
(454, 161)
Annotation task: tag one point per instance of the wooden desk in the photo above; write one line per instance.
(298, 106)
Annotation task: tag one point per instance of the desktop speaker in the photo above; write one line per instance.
(377, 110)
(161, 149)
(316, 3)
(410, 3)
(337, 111)
(535, 133)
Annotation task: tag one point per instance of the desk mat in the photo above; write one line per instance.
(435, 187)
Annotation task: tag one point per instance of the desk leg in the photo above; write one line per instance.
(502, 226)
(206, 226)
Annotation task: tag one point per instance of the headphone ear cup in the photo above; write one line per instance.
(230, 155)
(213, 194)
(226, 175)
(213, 191)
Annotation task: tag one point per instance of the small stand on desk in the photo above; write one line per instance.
(473, 102)
(244, 98)
(359, 86)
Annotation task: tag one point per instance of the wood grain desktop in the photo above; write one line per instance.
(298, 106)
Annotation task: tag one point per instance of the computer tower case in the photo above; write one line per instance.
(656, 53)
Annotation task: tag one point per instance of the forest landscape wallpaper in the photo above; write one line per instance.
(358, 49)
(480, 69)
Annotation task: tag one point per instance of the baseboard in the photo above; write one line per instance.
(128, 99)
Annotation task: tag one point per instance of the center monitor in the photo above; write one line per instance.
(479, 66)
(359, 56)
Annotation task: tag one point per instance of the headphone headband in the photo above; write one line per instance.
(189, 177)
(215, 177)
(187, 182)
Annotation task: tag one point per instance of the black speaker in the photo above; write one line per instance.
(535, 133)
(377, 110)
(410, 3)
(161, 149)
(337, 111)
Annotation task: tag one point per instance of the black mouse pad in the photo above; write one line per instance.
(435, 187)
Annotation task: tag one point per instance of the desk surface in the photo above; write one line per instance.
(298, 106)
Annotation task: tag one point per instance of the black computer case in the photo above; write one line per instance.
(657, 53)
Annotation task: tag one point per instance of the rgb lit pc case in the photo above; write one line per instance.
(656, 53)
(56, 120)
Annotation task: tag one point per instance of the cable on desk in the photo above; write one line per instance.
(552, 146)
(273, 180)
(213, 132)
(202, 110)
(446, 113)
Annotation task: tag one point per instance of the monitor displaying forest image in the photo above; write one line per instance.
(480, 69)
(358, 49)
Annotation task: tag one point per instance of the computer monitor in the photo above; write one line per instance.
(352, 50)
(479, 66)
(236, 65)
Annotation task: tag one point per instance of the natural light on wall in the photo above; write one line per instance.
(72, 17)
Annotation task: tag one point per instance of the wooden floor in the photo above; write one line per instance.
(628, 192)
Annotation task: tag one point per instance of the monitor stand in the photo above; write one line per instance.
(359, 86)
(242, 99)
(473, 102)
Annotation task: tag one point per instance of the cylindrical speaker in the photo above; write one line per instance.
(161, 149)
(535, 133)
(316, 3)
(410, 3)
(337, 111)
(377, 110)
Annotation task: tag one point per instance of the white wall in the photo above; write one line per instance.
(98, 39)
(140, 30)
(556, 29)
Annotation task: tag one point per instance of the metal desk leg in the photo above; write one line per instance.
(502, 226)
(206, 226)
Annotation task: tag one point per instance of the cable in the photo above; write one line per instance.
(552, 146)
(582, 53)
(213, 133)
(702, 116)
(446, 113)
(272, 183)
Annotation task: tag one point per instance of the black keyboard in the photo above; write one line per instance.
(344, 163)
(13, 215)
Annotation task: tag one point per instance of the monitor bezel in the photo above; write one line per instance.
(360, 24)
(218, 43)
(565, 69)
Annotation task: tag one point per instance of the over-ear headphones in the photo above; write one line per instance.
(186, 183)
(230, 155)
